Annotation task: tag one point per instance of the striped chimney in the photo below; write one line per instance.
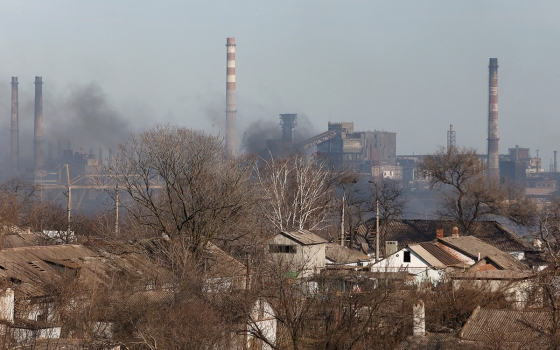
(493, 153)
(38, 162)
(14, 152)
(231, 107)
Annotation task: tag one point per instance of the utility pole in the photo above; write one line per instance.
(377, 230)
(342, 222)
(117, 210)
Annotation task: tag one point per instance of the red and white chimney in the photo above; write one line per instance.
(231, 107)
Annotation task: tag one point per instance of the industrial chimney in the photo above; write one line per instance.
(14, 153)
(451, 138)
(38, 144)
(231, 108)
(288, 123)
(493, 153)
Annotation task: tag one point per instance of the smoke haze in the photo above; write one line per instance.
(84, 115)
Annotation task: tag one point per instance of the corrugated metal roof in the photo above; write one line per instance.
(514, 328)
(304, 237)
(440, 254)
(407, 232)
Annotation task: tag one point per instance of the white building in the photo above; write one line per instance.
(426, 262)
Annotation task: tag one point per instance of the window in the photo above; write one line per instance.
(406, 256)
(280, 248)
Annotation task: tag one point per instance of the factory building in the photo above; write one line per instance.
(362, 151)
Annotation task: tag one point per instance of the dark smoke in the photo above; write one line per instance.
(87, 119)
(269, 129)
(254, 140)
(84, 115)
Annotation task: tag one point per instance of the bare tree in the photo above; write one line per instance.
(466, 195)
(17, 199)
(181, 183)
(297, 193)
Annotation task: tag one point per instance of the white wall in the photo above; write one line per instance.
(417, 266)
(308, 259)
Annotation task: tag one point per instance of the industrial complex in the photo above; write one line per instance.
(367, 152)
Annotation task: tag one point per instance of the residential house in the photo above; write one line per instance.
(301, 253)
(509, 329)
(426, 262)
(490, 268)
(406, 232)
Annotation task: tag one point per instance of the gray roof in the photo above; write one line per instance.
(344, 255)
(512, 329)
(472, 247)
(36, 268)
(407, 232)
(304, 237)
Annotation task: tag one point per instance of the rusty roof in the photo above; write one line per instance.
(407, 232)
(513, 329)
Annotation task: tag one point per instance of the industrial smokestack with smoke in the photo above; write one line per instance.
(231, 108)
(38, 161)
(14, 152)
(493, 153)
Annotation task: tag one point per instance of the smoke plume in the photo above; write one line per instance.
(269, 129)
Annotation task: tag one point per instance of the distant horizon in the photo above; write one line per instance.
(410, 67)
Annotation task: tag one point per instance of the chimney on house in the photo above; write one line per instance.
(418, 319)
(455, 233)
(439, 233)
(7, 305)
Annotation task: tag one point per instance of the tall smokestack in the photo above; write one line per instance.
(451, 138)
(14, 153)
(231, 107)
(38, 143)
(555, 164)
(493, 153)
(288, 123)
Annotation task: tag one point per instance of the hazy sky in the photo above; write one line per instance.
(410, 67)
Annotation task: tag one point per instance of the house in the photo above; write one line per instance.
(406, 232)
(339, 256)
(425, 261)
(222, 271)
(301, 252)
(470, 249)
(509, 329)
(33, 276)
(489, 269)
